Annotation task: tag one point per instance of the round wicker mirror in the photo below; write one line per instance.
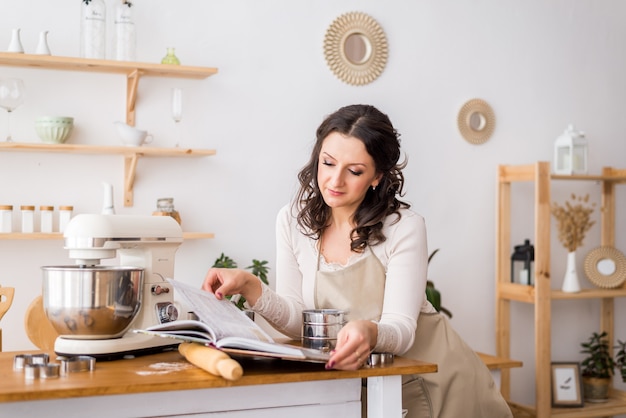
(355, 47)
(605, 267)
(476, 121)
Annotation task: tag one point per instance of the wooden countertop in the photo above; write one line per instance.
(170, 371)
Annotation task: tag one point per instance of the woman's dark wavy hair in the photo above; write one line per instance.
(382, 142)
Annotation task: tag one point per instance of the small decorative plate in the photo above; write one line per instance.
(476, 121)
(605, 267)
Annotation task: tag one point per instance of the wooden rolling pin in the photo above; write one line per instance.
(212, 360)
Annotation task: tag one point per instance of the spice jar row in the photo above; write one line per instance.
(27, 213)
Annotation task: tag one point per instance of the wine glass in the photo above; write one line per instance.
(177, 111)
(11, 97)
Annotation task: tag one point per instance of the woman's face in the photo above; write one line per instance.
(345, 171)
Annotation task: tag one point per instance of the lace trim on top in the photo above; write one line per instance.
(387, 341)
(277, 312)
(333, 265)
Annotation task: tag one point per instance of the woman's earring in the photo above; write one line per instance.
(373, 188)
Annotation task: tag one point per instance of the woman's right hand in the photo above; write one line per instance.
(225, 282)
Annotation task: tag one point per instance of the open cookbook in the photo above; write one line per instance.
(223, 326)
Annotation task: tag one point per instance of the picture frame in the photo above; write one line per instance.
(567, 390)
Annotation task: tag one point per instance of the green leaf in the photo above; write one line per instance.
(434, 297)
(598, 362)
(258, 268)
(225, 262)
(432, 294)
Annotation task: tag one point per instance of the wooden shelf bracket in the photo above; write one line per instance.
(130, 170)
(132, 82)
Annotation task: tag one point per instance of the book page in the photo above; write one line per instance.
(234, 344)
(222, 316)
(186, 327)
(200, 339)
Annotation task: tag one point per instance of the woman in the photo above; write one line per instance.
(347, 242)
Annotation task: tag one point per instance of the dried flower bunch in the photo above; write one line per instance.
(574, 220)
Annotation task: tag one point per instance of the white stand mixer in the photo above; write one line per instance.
(146, 242)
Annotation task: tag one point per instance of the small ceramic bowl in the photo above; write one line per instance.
(54, 129)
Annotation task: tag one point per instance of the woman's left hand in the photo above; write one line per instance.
(354, 343)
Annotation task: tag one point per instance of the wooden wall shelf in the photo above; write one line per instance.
(132, 70)
(131, 156)
(59, 235)
(144, 151)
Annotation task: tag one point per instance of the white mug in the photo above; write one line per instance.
(131, 136)
(137, 140)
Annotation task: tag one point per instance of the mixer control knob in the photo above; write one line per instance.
(167, 312)
(157, 290)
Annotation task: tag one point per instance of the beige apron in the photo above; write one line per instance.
(462, 387)
(340, 290)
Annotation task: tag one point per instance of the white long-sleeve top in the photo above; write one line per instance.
(403, 255)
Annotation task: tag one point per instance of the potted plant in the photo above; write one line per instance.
(258, 268)
(597, 368)
(432, 294)
(620, 359)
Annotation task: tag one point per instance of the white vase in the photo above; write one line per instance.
(42, 46)
(16, 42)
(570, 282)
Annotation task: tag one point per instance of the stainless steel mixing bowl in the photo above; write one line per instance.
(97, 302)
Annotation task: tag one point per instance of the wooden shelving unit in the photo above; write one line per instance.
(541, 293)
(133, 71)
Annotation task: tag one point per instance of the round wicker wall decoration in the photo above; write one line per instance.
(476, 121)
(355, 28)
(609, 275)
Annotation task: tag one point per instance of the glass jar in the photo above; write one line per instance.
(93, 29)
(45, 218)
(65, 215)
(28, 218)
(124, 43)
(165, 207)
(6, 218)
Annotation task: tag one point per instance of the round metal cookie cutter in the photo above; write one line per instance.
(20, 361)
(380, 359)
(77, 364)
(50, 371)
(42, 358)
(32, 371)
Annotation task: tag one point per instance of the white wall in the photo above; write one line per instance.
(541, 65)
